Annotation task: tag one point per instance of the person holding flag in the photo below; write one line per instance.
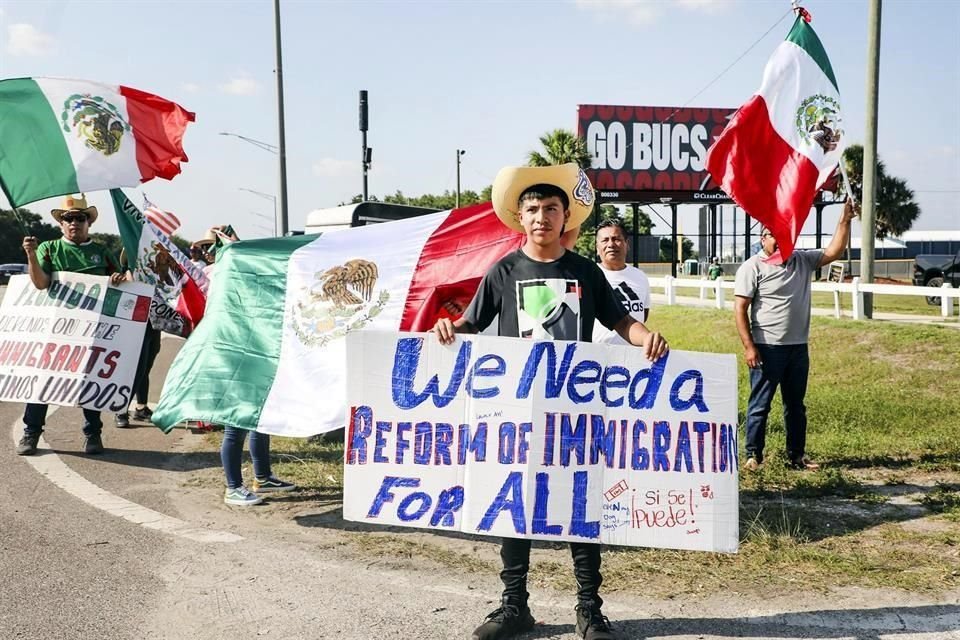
(778, 150)
(77, 253)
(775, 337)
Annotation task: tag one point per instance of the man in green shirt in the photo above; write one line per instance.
(75, 252)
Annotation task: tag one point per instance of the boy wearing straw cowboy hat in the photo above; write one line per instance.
(77, 253)
(543, 291)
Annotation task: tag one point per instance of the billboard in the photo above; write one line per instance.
(647, 153)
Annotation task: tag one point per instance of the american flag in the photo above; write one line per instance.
(163, 220)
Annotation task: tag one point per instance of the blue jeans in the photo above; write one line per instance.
(786, 366)
(231, 455)
(35, 416)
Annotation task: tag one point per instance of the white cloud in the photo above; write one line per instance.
(190, 87)
(241, 86)
(333, 168)
(25, 40)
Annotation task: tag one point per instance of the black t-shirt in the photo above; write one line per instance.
(556, 300)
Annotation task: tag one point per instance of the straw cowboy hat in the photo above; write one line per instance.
(512, 181)
(209, 238)
(75, 203)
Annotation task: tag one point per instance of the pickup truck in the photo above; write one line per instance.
(934, 270)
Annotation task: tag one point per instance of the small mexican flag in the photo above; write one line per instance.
(786, 141)
(62, 136)
(270, 353)
(154, 259)
(129, 306)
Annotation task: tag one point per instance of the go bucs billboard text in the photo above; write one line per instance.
(660, 149)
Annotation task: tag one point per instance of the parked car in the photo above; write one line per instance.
(12, 269)
(933, 270)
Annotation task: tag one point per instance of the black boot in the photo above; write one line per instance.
(510, 619)
(592, 624)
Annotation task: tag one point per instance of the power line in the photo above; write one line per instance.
(731, 65)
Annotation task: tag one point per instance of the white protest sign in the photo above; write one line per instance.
(544, 440)
(75, 343)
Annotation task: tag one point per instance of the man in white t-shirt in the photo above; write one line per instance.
(629, 283)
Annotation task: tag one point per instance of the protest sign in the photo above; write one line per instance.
(548, 440)
(75, 343)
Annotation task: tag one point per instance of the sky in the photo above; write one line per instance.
(486, 77)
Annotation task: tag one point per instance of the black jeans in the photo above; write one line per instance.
(35, 415)
(148, 353)
(788, 367)
(515, 555)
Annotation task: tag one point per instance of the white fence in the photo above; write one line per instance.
(856, 289)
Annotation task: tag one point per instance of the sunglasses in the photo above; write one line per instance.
(69, 219)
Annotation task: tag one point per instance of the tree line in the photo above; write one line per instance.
(15, 225)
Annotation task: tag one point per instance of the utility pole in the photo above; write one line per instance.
(366, 152)
(460, 152)
(282, 222)
(868, 212)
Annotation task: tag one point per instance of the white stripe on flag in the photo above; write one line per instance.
(164, 220)
(310, 384)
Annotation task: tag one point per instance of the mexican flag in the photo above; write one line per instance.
(786, 141)
(270, 352)
(61, 136)
(129, 306)
(178, 300)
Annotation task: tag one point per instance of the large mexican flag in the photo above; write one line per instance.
(61, 136)
(270, 355)
(786, 141)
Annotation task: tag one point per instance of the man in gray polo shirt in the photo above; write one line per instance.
(775, 337)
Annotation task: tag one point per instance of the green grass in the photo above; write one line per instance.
(878, 393)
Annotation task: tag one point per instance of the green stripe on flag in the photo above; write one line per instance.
(130, 224)
(111, 300)
(803, 35)
(224, 372)
(34, 160)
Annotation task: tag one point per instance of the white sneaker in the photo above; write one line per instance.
(241, 497)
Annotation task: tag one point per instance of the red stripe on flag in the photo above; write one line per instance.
(158, 127)
(141, 311)
(452, 263)
(163, 220)
(191, 304)
(769, 179)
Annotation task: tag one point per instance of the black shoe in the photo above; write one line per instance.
(93, 445)
(27, 445)
(143, 414)
(593, 625)
(505, 622)
(123, 420)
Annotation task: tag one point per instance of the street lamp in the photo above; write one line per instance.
(460, 152)
(265, 196)
(265, 217)
(266, 146)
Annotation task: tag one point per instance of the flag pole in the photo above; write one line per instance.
(846, 181)
(23, 227)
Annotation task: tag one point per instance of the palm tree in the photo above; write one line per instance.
(896, 211)
(561, 146)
